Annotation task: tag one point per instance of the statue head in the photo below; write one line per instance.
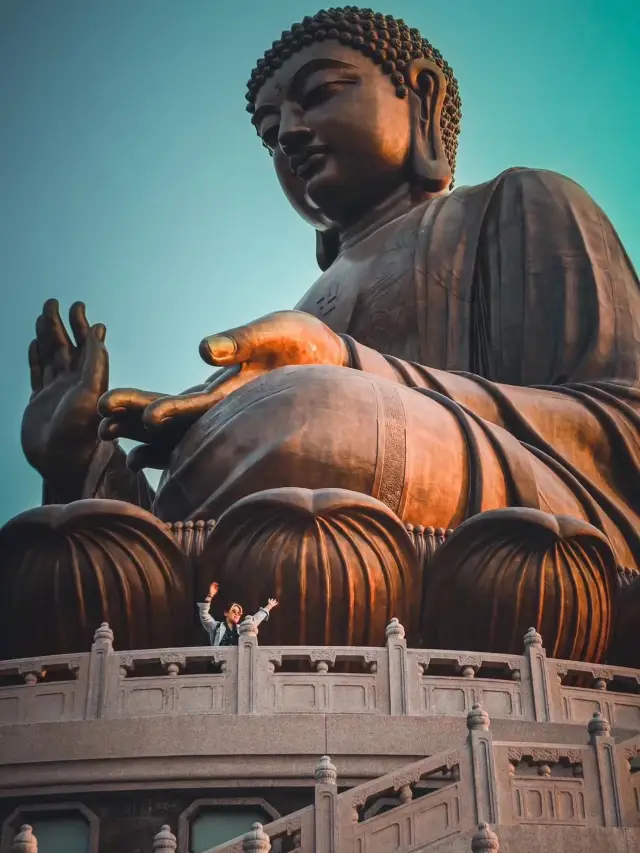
(353, 105)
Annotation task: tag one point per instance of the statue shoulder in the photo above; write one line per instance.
(540, 184)
(521, 179)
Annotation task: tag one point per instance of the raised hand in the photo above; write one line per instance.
(213, 589)
(273, 602)
(277, 340)
(60, 423)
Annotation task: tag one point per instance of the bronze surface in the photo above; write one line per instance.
(463, 351)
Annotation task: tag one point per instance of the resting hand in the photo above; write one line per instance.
(246, 353)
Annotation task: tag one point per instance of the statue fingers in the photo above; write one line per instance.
(94, 361)
(61, 345)
(45, 348)
(122, 427)
(129, 400)
(178, 413)
(148, 456)
(35, 367)
(79, 323)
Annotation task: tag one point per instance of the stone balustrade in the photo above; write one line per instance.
(470, 797)
(106, 683)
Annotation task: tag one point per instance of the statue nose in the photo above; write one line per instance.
(293, 140)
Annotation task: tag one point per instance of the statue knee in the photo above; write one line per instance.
(311, 426)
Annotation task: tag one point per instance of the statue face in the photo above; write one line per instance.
(339, 134)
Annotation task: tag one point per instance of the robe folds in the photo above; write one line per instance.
(499, 367)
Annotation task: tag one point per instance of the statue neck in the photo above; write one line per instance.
(396, 204)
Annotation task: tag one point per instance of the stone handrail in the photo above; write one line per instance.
(252, 679)
(487, 786)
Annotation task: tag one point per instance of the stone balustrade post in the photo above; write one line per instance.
(247, 666)
(326, 807)
(537, 676)
(25, 841)
(608, 769)
(485, 840)
(256, 840)
(98, 687)
(165, 841)
(398, 669)
(480, 743)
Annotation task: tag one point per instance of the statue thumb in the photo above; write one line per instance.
(219, 350)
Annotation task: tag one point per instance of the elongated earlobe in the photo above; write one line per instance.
(429, 167)
(327, 247)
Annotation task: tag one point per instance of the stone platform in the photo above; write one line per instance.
(424, 746)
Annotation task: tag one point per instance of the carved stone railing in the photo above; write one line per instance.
(479, 783)
(590, 791)
(267, 680)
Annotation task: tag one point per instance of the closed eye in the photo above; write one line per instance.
(319, 94)
(270, 137)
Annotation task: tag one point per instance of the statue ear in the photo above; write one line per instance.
(427, 89)
(327, 248)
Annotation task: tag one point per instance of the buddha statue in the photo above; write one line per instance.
(468, 360)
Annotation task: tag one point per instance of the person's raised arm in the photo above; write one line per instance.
(263, 614)
(206, 619)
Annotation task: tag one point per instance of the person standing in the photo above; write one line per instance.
(225, 632)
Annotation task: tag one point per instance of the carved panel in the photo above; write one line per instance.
(542, 802)
(173, 657)
(543, 754)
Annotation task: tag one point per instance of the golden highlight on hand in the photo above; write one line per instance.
(245, 353)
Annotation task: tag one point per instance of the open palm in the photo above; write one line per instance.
(60, 422)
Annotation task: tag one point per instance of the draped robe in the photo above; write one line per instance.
(494, 336)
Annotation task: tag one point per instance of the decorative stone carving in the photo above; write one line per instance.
(293, 826)
(405, 780)
(103, 634)
(540, 754)
(322, 658)
(165, 841)
(532, 638)
(499, 560)
(99, 560)
(485, 840)
(269, 541)
(394, 629)
(598, 726)
(25, 841)
(126, 664)
(248, 627)
(173, 657)
(32, 671)
(326, 773)
(468, 665)
(191, 536)
(452, 760)
(256, 841)
(173, 662)
(478, 719)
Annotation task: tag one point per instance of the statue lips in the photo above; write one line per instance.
(308, 162)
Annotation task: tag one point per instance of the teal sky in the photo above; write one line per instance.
(131, 178)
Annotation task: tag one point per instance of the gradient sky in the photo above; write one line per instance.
(131, 178)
